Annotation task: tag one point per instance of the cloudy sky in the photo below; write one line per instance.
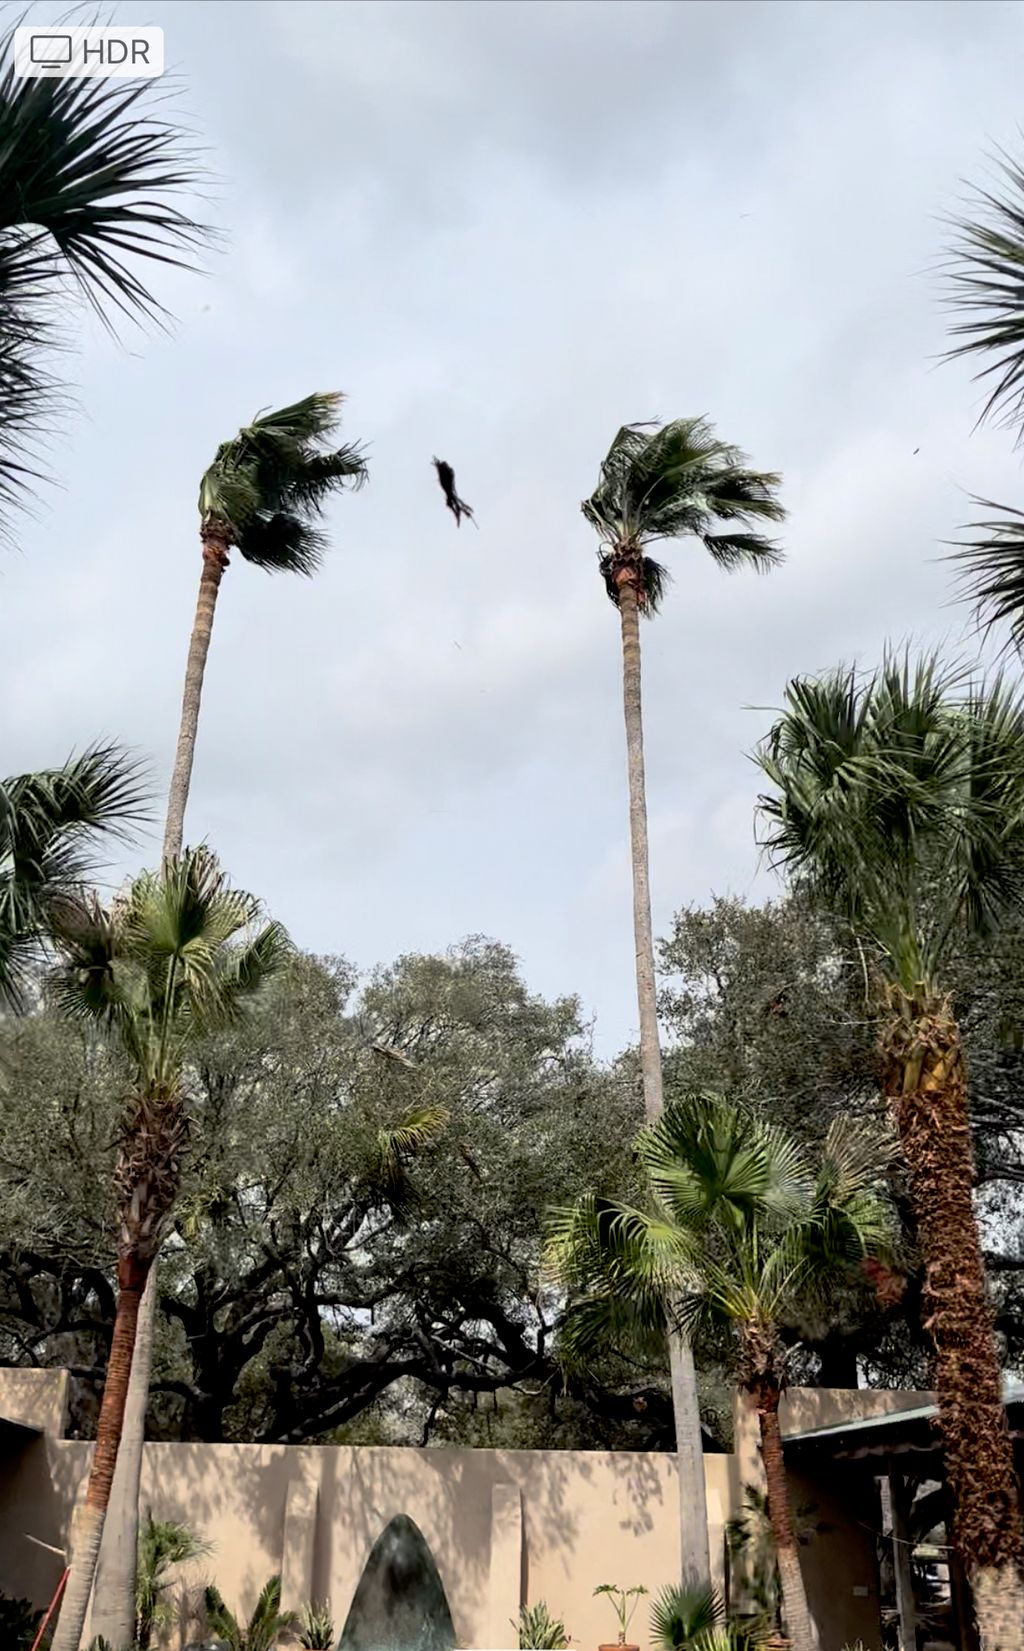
(504, 229)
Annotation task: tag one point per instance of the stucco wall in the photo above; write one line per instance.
(505, 1527)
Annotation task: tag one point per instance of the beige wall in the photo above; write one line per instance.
(505, 1527)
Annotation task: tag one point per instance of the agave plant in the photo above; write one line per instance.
(538, 1630)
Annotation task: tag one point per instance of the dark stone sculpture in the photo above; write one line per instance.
(400, 1603)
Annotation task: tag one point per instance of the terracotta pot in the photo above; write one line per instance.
(618, 1646)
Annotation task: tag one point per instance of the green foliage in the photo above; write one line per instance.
(898, 798)
(985, 285)
(991, 570)
(677, 481)
(167, 963)
(739, 1235)
(538, 1630)
(623, 1601)
(316, 1626)
(49, 826)
(163, 1543)
(89, 178)
(19, 1622)
(751, 1540)
(694, 1619)
(263, 1629)
(266, 487)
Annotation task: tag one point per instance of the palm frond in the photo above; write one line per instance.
(269, 482)
(986, 287)
(991, 576)
(886, 783)
(675, 481)
(282, 543)
(88, 181)
(50, 826)
(682, 1618)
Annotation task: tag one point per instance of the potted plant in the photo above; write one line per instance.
(624, 1602)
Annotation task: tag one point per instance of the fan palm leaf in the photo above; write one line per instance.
(986, 287)
(50, 823)
(89, 175)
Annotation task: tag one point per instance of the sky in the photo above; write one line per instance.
(504, 230)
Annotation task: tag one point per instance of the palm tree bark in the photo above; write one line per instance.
(215, 560)
(694, 1553)
(114, 1613)
(132, 1274)
(114, 1610)
(113, 1616)
(799, 1629)
(926, 1083)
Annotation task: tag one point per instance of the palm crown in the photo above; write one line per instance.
(266, 487)
(900, 797)
(741, 1233)
(676, 481)
(49, 823)
(172, 959)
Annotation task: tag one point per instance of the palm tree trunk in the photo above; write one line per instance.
(694, 1555)
(799, 1629)
(215, 560)
(115, 1578)
(113, 1615)
(132, 1273)
(643, 937)
(926, 1084)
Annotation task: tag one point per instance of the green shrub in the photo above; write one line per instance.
(19, 1623)
(316, 1626)
(538, 1630)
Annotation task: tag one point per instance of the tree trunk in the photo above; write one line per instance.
(695, 1560)
(113, 1614)
(643, 938)
(215, 560)
(799, 1630)
(131, 1281)
(926, 1084)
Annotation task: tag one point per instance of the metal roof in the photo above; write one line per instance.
(889, 1422)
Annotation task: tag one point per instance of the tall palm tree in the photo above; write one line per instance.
(88, 174)
(899, 798)
(740, 1237)
(676, 481)
(262, 493)
(176, 956)
(49, 822)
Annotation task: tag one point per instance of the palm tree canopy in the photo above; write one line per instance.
(88, 178)
(742, 1237)
(986, 287)
(675, 481)
(266, 487)
(49, 825)
(899, 797)
(174, 958)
